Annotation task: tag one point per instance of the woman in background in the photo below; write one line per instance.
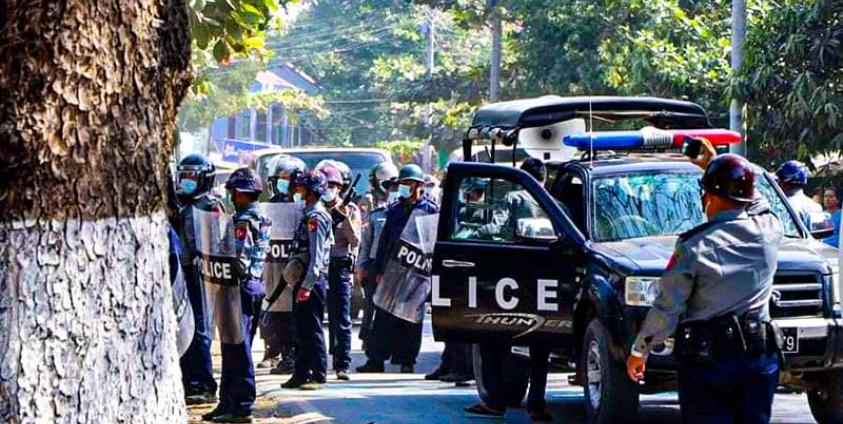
(831, 203)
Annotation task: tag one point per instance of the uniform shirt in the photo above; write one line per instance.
(396, 219)
(315, 236)
(516, 204)
(370, 238)
(251, 240)
(804, 206)
(347, 234)
(723, 266)
(187, 232)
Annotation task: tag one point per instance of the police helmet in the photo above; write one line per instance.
(283, 164)
(332, 175)
(730, 176)
(411, 172)
(314, 181)
(196, 168)
(793, 172)
(244, 180)
(382, 172)
(344, 170)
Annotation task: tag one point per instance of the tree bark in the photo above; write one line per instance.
(90, 90)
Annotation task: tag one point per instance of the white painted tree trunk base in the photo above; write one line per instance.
(87, 328)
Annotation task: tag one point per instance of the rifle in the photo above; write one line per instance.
(346, 197)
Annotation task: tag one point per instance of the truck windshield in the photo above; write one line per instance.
(648, 204)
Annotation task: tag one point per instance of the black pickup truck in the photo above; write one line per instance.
(580, 276)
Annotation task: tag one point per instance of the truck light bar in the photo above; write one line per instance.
(649, 137)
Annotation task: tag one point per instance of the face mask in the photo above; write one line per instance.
(404, 191)
(282, 186)
(187, 186)
(392, 197)
(330, 195)
(298, 199)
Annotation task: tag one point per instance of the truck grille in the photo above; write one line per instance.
(797, 296)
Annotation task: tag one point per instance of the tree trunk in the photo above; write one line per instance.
(90, 90)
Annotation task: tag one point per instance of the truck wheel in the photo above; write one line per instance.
(515, 372)
(826, 401)
(610, 396)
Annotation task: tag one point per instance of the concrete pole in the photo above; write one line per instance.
(495, 68)
(268, 137)
(738, 38)
(429, 63)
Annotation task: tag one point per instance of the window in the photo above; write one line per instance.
(570, 195)
(498, 210)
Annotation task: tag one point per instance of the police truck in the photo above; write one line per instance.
(581, 274)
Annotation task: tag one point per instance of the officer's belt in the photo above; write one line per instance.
(727, 335)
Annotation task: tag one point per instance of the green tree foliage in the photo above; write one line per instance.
(793, 80)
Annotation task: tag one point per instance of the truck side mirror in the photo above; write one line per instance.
(539, 229)
(821, 225)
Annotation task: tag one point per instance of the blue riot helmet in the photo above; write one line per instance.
(283, 173)
(314, 181)
(244, 180)
(195, 174)
(793, 173)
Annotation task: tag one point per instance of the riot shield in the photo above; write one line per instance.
(184, 313)
(217, 265)
(285, 218)
(406, 278)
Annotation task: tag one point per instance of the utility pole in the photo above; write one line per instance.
(738, 39)
(429, 29)
(495, 68)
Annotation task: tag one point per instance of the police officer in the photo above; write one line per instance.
(390, 334)
(716, 290)
(277, 327)
(251, 241)
(793, 177)
(346, 228)
(314, 239)
(383, 181)
(195, 174)
(517, 204)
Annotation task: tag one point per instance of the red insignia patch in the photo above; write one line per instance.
(240, 231)
(672, 261)
(312, 224)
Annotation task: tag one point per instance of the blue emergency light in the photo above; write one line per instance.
(645, 138)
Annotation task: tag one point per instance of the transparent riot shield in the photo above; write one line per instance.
(184, 313)
(285, 218)
(406, 278)
(217, 266)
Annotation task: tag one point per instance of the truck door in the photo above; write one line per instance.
(507, 262)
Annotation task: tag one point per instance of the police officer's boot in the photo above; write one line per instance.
(210, 416)
(232, 417)
(371, 366)
(286, 365)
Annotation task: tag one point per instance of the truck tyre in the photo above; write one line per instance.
(610, 396)
(826, 400)
(515, 372)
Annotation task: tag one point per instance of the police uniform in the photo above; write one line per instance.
(368, 251)
(716, 290)
(346, 230)
(251, 239)
(196, 364)
(314, 237)
(277, 327)
(392, 335)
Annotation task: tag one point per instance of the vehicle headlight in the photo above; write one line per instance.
(641, 291)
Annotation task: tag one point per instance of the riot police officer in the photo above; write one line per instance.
(716, 290)
(793, 177)
(383, 181)
(346, 228)
(392, 335)
(251, 241)
(195, 174)
(309, 271)
(277, 327)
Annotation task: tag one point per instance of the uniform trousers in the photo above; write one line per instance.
(339, 313)
(237, 383)
(311, 357)
(393, 336)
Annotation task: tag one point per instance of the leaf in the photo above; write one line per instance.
(221, 51)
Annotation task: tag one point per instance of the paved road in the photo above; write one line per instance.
(409, 399)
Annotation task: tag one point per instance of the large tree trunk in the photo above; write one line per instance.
(89, 91)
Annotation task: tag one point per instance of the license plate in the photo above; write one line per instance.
(790, 336)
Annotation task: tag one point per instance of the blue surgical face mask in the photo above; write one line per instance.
(330, 195)
(404, 191)
(392, 197)
(298, 199)
(282, 186)
(187, 186)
